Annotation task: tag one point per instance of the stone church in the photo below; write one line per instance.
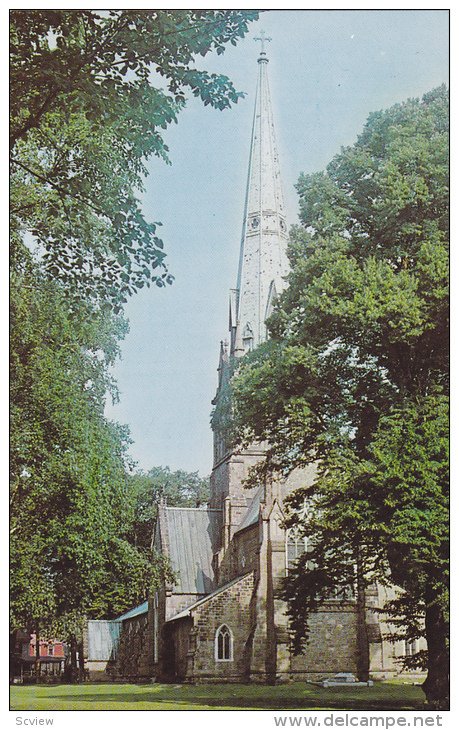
(221, 619)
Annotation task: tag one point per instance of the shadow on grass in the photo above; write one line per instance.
(269, 698)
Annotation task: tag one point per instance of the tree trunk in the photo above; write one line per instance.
(37, 650)
(73, 658)
(80, 662)
(436, 686)
(363, 663)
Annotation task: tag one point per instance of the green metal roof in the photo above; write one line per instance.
(137, 611)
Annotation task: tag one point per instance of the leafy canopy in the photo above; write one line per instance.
(175, 488)
(70, 550)
(92, 93)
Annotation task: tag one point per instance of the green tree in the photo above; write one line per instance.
(71, 548)
(91, 93)
(69, 519)
(355, 375)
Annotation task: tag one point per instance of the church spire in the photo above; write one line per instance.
(262, 261)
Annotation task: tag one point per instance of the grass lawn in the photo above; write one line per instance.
(297, 696)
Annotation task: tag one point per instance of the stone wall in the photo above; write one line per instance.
(228, 475)
(241, 556)
(387, 653)
(332, 645)
(246, 550)
(231, 607)
(177, 602)
(135, 649)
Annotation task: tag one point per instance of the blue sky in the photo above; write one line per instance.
(328, 70)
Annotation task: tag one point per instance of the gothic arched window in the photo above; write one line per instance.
(272, 296)
(247, 338)
(296, 546)
(223, 644)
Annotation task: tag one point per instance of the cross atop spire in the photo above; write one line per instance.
(263, 38)
(263, 260)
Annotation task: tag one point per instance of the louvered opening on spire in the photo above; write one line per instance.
(263, 259)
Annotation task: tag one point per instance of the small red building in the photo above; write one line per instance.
(50, 661)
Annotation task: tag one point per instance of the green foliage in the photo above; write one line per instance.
(91, 95)
(222, 417)
(356, 373)
(81, 527)
(92, 92)
(70, 552)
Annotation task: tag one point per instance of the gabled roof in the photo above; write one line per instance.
(187, 611)
(253, 511)
(190, 537)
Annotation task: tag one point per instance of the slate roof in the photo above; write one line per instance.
(253, 511)
(190, 537)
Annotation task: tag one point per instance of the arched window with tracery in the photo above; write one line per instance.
(247, 338)
(297, 545)
(223, 644)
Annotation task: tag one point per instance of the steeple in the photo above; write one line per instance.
(263, 260)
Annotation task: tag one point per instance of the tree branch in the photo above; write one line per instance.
(59, 188)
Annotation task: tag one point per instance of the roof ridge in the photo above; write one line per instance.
(204, 599)
(134, 611)
(194, 509)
